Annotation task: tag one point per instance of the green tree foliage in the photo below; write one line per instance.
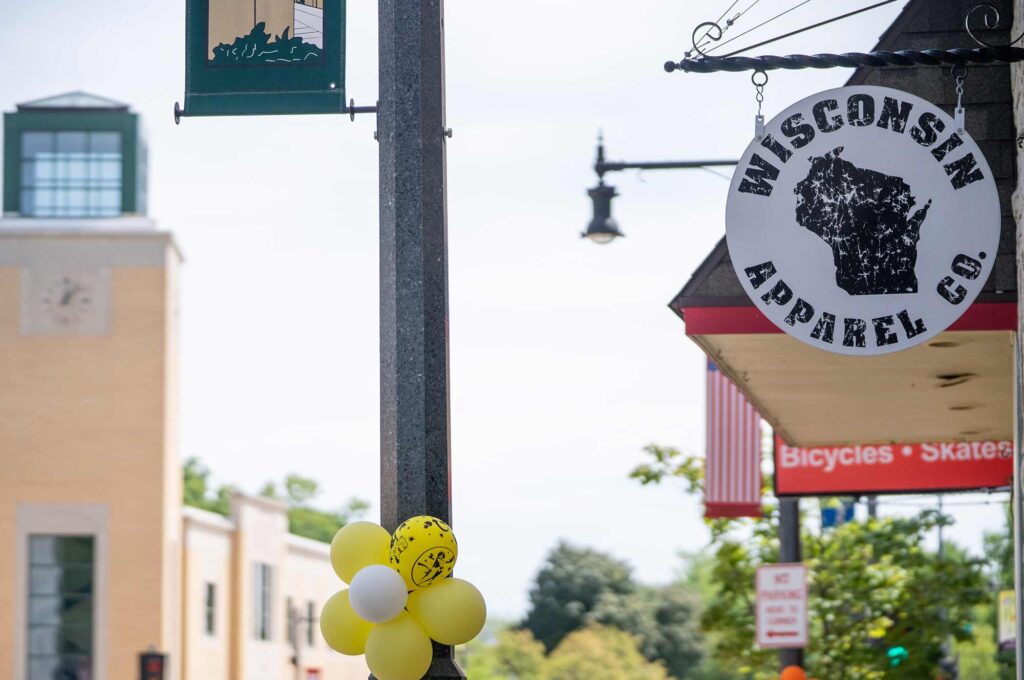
(601, 652)
(588, 653)
(999, 555)
(978, 657)
(512, 655)
(305, 520)
(578, 587)
(199, 494)
(872, 586)
(298, 492)
(568, 587)
(664, 621)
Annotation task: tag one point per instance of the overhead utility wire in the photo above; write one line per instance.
(763, 23)
(719, 20)
(705, 40)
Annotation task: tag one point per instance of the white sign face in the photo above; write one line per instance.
(781, 606)
(863, 222)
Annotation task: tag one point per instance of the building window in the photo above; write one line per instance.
(210, 609)
(263, 591)
(310, 622)
(71, 174)
(60, 607)
(291, 622)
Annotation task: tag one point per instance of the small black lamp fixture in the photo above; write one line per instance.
(603, 228)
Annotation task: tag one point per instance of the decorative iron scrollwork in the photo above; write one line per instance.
(990, 20)
(714, 32)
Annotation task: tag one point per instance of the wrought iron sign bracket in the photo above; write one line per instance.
(351, 110)
(988, 53)
(904, 58)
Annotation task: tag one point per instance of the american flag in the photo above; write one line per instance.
(732, 473)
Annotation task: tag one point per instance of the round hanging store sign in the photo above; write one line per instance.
(863, 222)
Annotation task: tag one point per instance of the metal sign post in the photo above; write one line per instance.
(1018, 506)
(414, 458)
(241, 64)
(789, 555)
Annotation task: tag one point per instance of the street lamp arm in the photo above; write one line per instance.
(603, 228)
(601, 167)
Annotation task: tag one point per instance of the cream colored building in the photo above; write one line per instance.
(99, 562)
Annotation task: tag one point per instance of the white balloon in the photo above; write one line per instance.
(377, 593)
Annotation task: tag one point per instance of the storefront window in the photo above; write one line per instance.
(310, 623)
(71, 174)
(60, 607)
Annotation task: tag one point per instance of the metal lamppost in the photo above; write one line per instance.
(603, 228)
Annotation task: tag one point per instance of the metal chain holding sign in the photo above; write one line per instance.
(759, 84)
(960, 75)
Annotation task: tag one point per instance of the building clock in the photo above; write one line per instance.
(65, 302)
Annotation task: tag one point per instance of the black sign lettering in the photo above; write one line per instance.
(911, 328)
(942, 149)
(799, 132)
(966, 266)
(754, 180)
(773, 145)
(853, 332)
(825, 329)
(760, 273)
(802, 311)
(824, 124)
(860, 110)
(894, 114)
(964, 171)
(780, 294)
(927, 129)
(883, 331)
(953, 296)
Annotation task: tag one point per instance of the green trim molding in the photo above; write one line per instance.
(133, 149)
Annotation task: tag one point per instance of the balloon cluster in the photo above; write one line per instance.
(400, 596)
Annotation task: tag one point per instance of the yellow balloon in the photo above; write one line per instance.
(342, 628)
(423, 550)
(358, 545)
(399, 649)
(452, 611)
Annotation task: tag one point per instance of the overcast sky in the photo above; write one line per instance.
(565, 361)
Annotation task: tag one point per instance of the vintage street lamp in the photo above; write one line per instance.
(603, 228)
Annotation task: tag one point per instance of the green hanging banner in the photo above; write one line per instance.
(263, 57)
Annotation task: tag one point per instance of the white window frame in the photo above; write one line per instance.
(63, 519)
